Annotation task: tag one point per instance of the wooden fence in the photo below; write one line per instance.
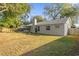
(6, 30)
(74, 31)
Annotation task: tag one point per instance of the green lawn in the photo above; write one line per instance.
(63, 46)
(14, 44)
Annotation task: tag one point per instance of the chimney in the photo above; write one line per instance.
(35, 21)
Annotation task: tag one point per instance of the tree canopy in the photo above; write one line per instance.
(38, 17)
(12, 12)
(64, 9)
(69, 10)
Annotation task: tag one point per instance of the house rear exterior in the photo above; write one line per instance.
(56, 27)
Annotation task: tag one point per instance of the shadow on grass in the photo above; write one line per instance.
(65, 46)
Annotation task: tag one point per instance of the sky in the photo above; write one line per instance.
(37, 8)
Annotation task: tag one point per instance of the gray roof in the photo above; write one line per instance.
(57, 21)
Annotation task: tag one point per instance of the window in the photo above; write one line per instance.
(47, 27)
(38, 28)
(57, 26)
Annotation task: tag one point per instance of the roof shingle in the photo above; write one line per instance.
(57, 21)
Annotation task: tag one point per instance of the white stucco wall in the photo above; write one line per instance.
(62, 30)
(33, 29)
(67, 26)
(65, 29)
(53, 30)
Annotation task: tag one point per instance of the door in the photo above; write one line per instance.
(35, 30)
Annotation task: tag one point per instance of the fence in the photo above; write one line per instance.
(74, 31)
(6, 30)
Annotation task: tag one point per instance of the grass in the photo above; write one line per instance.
(19, 43)
(63, 46)
(13, 44)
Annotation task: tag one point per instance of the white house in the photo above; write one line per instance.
(56, 27)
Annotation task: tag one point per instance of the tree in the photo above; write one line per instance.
(24, 19)
(2, 7)
(53, 10)
(11, 15)
(38, 17)
(69, 10)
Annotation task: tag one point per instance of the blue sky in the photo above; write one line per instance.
(37, 8)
